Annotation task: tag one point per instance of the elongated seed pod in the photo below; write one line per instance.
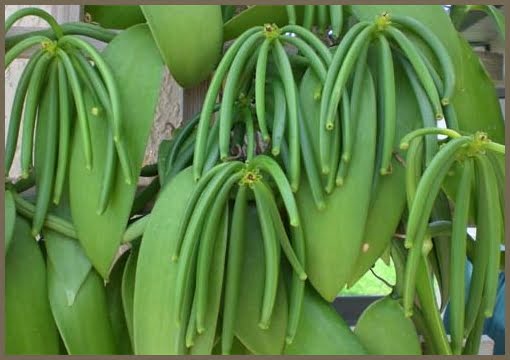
(233, 273)
(24, 45)
(113, 92)
(291, 14)
(271, 255)
(268, 204)
(87, 85)
(472, 346)
(354, 108)
(322, 17)
(80, 106)
(473, 308)
(414, 170)
(271, 167)
(311, 166)
(110, 169)
(311, 39)
(336, 62)
(190, 243)
(64, 129)
(250, 133)
(206, 248)
(227, 102)
(296, 260)
(289, 87)
(421, 69)
(438, 82)
(347, 126)
(345, 71)
(492, 219)
(308, 16)
(183, 134)
(308, 52)
(33, 11)
(297, 286)
(419, 213)
(451, 117)
(458, 262)
(17, 110)
(404, 143)
(30, 112)
(327, 120)
(219, 173)
(280, 116)
(389, 106)
(191, 328)
(437, 48)
(260, 86)
(335, 156)
(337, 19)
(426, 111)
(199, 156)
(47, 113)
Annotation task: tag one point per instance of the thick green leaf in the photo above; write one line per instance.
(128, 290)
(137, 67)
(114, 16)
(85, 325)
(70, 262)
(10, 218)
(383, 329)
(154, 322)
(115, 307)
(256, 340)
(29, 325)
(322, 331)
(258, 15)
(189, 37)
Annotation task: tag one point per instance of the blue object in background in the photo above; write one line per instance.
(494, 327)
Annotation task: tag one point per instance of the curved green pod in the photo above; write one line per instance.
(189, 38)
(252, 337)
(333, 236)
(322, 331)
(128, 290)
(10, 218)
(114, 16)
(384, 330)
(29, 325)
(141, 77)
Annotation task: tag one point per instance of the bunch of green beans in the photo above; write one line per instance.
(388, 37)
(248, 54)
(198, 232)
(473, 154)
(323, 16)
(64, 68)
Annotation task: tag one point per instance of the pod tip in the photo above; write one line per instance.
(200, 329)
(408, 313)
(321, 205)
(330, 126)
(339, 181)
(346, 157)
(289, 339)
(174, 258)
(294, 223)
(303, 276)
(404, 146)
(263, 325)
(445, 101)
(325, 170)
(439, 116)
(275, 151)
